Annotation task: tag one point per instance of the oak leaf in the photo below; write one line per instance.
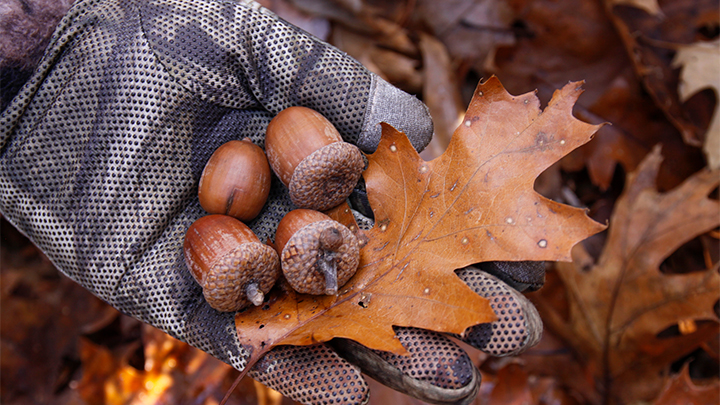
(474, 203)
(680, 390)
(619, 306)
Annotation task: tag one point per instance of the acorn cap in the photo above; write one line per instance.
(225, 285)
(315, 247)
(292, 135)
(229, 262)
(326, 177)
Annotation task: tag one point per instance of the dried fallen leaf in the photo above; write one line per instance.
(395, 67)
(474, 203)
(650, 6)
(699, 62)
(441, 94)
(471, 30)
(680, 390)
(512, 387)
(557, 41)
(41, 315)
(174, 372)
(619, 305)
(650, 43)
(634, 131)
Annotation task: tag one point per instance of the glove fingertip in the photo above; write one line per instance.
(436, 370)
(518, 326)
(399, 109)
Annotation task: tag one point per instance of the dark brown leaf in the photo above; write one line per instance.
(680, 390)
(619, 305)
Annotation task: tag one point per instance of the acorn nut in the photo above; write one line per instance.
(307, 153)
(228, 260)
(318, 254)
(235, 181)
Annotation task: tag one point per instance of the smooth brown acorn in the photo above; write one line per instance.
(235, 181)
(317, 254)
(228, 260)
(307, 153)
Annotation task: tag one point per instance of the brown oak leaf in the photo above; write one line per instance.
(474, 203)
(680, 390)
(619, 306)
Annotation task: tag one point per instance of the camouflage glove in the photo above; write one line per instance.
(102, 149)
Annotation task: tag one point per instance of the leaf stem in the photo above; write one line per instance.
(250, 364)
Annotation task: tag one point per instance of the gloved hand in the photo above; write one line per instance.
(101, 152)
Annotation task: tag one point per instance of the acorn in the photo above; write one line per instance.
(317, 253)
(307, 153)
(235, 181)
(228, 260)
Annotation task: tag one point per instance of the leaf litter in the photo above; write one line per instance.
(528, 45)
